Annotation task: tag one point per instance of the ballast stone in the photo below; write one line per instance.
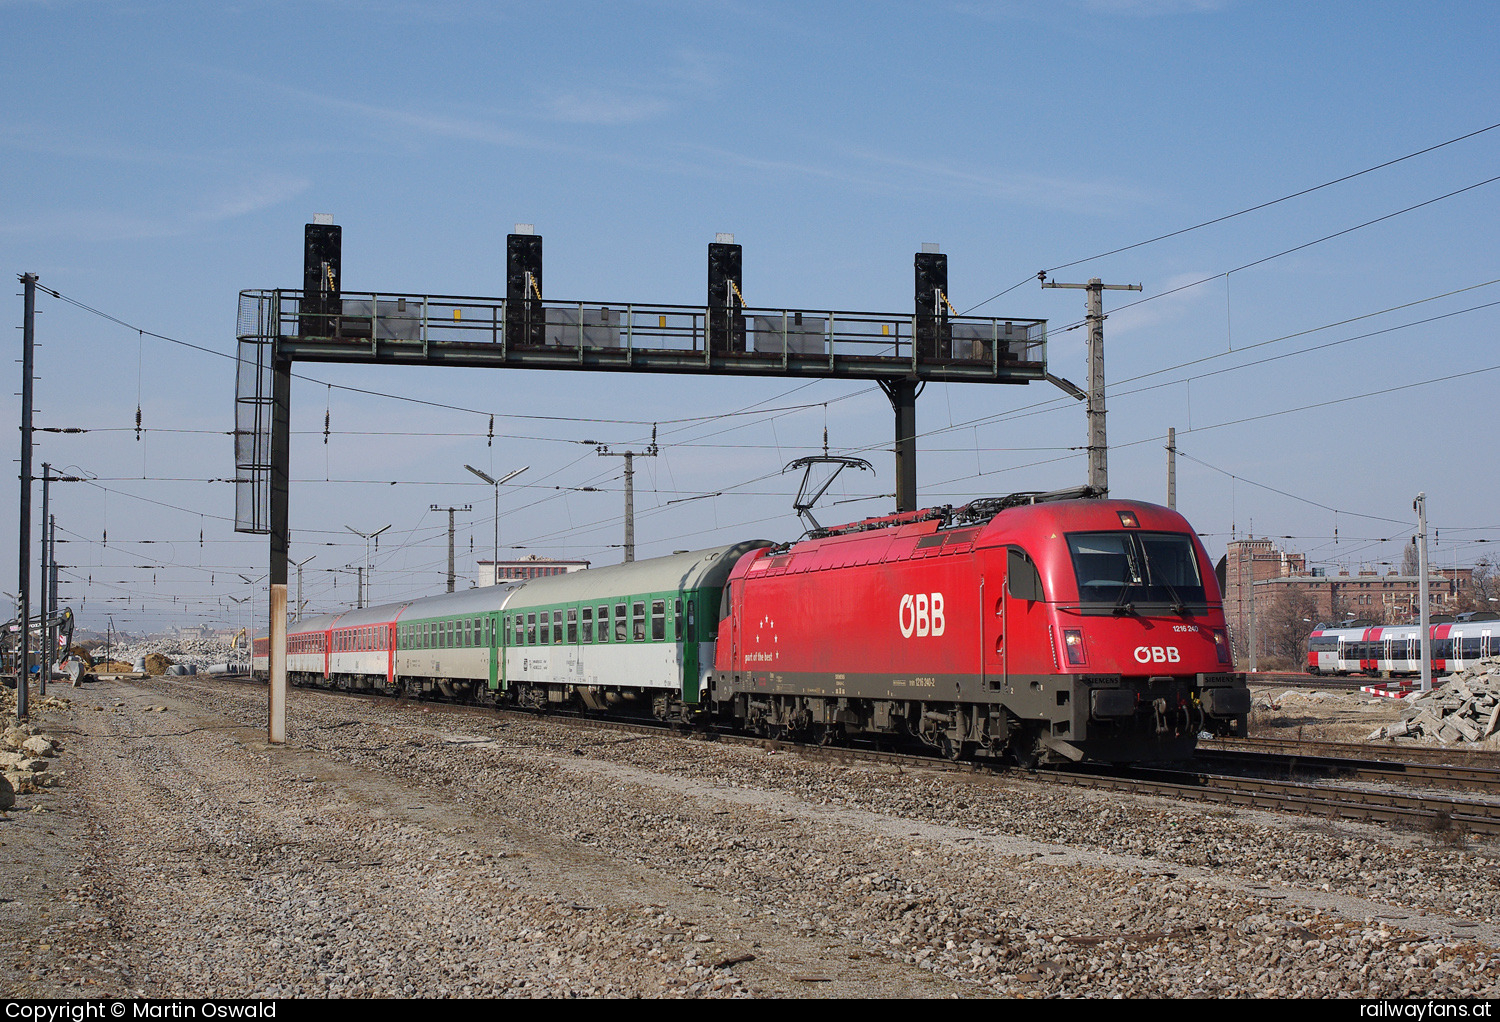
(37, 745)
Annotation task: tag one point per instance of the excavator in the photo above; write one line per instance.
(61, 627)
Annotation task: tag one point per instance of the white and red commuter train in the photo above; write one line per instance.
(1387, 650)
(1039, 629)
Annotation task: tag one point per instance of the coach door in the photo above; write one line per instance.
(687, 646)
(492, 634)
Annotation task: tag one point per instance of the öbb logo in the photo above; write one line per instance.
(921, 614)
(1157, 655)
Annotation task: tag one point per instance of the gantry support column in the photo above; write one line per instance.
(281, 437)
(903, 395)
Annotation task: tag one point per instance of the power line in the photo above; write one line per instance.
(1231, 216)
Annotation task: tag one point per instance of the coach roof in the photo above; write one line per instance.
(674, 573)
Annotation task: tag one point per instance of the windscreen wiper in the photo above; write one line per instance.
(1178, 604)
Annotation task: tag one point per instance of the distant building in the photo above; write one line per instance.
(1257, 572)
(1247, 562)
(527, 567)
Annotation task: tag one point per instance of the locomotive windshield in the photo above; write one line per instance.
(1119, 568)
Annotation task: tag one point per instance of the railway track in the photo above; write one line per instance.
(1363, 751)
(1249, 786)
(1479, 778)
(1384, 806)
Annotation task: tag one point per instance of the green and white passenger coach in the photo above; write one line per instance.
(630, 632)
(638, 630)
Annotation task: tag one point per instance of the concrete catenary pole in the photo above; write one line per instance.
(1098, 445)
(23, 588)
(44, 665)
(1420, 504)
(452, 576)
(1172, 467)
(630, 456)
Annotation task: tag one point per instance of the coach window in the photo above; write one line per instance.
(572, 625)
(531, 629)
(546, 632)
(658, 620)
(622, 625)
(588, 624)
(691, 634)
(557, 627)
(638, 622)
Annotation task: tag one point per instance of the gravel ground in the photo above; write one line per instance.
(407, 850)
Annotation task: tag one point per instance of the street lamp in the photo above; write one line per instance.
(496, 483)
(368, 536)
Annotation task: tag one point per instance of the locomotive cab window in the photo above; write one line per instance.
(1117, 568)
(1022, 577)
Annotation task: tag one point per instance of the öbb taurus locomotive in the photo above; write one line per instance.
(1047, 631)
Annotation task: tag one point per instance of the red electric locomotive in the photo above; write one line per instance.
(1050, 630)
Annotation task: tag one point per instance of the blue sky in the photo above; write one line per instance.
(158, 158)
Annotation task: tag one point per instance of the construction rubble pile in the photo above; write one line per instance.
(1464, 708)
(157, 656)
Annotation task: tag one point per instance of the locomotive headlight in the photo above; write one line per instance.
(1073, 646)
(1221, 645)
